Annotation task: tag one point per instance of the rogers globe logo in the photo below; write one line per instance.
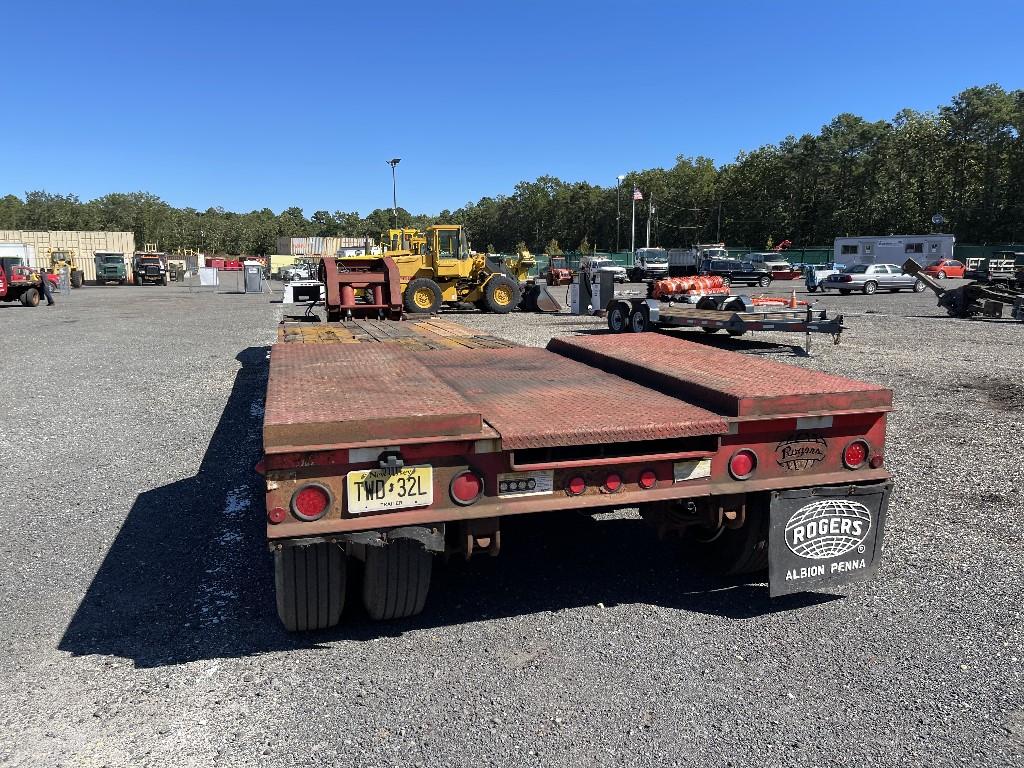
(802, 451)
(828, 528)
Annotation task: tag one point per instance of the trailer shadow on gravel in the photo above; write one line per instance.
(188, 576)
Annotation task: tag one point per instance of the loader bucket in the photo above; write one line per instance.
(537, 298)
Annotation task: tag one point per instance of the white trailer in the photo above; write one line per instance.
(893, 249)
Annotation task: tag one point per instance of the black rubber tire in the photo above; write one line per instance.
(493, 287)
(529, 301)
(919, 286)
(733, 332)
(30, 298)
(942, 275)
(764, 281)
(870, 287)
(420, 284)
(77, 278)
(310, 586)
(707, 329)
(618, 319)
(639, 320)
(396, 580)
(844, 291)
(732, 551)
(812, 288)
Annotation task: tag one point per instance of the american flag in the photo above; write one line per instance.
(636, 193)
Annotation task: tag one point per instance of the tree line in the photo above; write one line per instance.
(965, 161)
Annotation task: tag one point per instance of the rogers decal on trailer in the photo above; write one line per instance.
(801, 451)
(828, 528)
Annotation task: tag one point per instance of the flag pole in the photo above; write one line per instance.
(632, 227)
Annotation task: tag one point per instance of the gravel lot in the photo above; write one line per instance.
(139, 624)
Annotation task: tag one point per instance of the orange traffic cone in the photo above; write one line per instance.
(792, 300)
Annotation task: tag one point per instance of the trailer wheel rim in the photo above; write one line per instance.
(423, 298)
(502, 296)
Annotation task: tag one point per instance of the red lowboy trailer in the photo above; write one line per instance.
(388, 442)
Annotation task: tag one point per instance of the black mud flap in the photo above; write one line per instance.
(825, 537)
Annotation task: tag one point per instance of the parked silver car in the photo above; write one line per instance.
(869, 278)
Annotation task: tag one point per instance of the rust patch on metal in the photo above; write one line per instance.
(535, 399)
(733, 384)
(341, 393)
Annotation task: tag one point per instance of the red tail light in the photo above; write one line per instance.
(613, 482)
(311, 502)
(648, 479)
(855, 454)
(466, 487)
(576, 486)
(742, 464)
(277, 515)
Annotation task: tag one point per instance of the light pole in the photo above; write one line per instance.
(618, 210)
(394, 188)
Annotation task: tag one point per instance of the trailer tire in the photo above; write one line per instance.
(310, 585)
(502, 294)
(870, 287)
(396, 579)
(732, 551)
(422, 295)
(639, 319)
(618, 318)
(919, 286)
(30, 298)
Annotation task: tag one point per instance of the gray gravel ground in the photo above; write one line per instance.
(139, 625)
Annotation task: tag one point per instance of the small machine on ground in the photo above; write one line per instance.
(415, 439)
(980, 298)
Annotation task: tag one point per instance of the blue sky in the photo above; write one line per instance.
(250, 105)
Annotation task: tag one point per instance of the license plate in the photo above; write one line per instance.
(378, 490)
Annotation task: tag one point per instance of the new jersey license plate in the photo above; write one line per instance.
(378, 490)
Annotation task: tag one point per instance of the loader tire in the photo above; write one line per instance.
(732, 551)
(77, 278)
(501, 294)
(30, 298)
(422, 295)
(396, 579)
(310, 585)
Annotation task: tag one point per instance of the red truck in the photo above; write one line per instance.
(387, 443)
(19, 282)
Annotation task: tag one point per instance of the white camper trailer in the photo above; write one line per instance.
(894, 249)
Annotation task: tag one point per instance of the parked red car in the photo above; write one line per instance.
(944, 268)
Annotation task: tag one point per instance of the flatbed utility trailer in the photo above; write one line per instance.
(734, 316)
(387, 443)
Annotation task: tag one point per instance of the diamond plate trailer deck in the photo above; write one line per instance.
(386, 442)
